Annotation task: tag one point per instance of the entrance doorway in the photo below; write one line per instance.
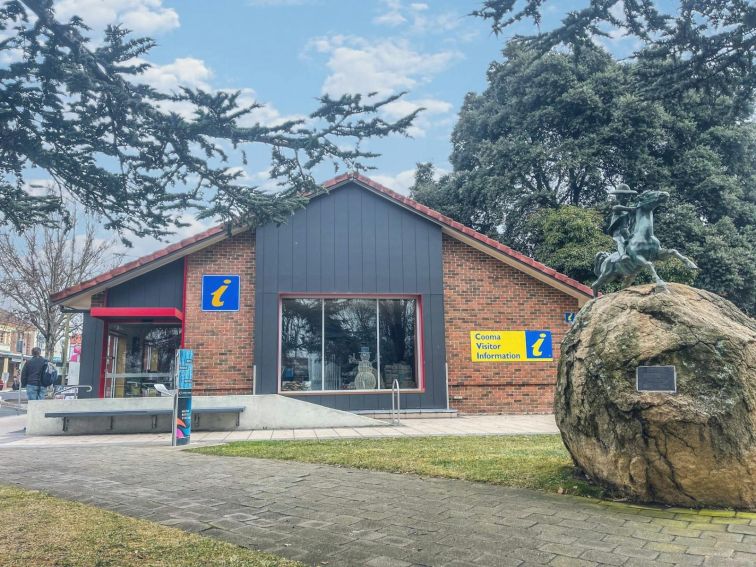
(138, 356)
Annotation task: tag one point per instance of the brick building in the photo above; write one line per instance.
(362, 290)
(17, 338)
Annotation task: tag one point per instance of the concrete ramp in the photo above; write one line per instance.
(260, 412)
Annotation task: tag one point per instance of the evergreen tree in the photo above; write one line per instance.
(81, 115)
(561, 121)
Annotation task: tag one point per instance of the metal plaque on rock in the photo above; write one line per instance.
(656, 379)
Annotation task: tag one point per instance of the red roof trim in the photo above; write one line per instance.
(133, 265)
(170, 313)
(331, 183)
(459, 227)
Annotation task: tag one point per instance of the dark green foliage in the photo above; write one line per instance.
(568, 239)
(561, 121)
(82, 116)
(689, 43)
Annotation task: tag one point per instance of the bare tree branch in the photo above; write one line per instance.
(42, 261)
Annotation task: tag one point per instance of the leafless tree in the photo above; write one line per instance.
(42, 261)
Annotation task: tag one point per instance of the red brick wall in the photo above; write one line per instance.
(482, 293)
(223, 341)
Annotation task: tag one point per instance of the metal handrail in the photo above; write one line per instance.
(396, 402)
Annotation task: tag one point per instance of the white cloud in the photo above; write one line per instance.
(402, 181)
(140, 16)
(184, 71)
(148, 245)
(392, 16)
(432, 108)
(384, 66)
(41, 187)
(279, 2)
(417, 16)
(194, 73)
(267, 115)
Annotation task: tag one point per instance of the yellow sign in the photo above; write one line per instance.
(511, 346)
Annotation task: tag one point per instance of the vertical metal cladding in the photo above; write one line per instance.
(162, 287)
(351, 241)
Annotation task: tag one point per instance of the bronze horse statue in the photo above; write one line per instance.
(640, 249)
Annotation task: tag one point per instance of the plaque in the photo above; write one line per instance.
(656, 379)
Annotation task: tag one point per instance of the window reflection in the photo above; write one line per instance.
(398, 319)
(341, 344)
(301, 344)
(350, 344)
(139, 355)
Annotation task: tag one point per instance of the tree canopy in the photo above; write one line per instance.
(82, 116)
(561, 121)
(693, 43)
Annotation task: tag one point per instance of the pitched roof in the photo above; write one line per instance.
(452, 227)
(460, 228)
(144, 261)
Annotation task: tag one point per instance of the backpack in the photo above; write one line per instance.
(50, 375)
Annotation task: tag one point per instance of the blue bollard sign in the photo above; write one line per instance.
(183, 425)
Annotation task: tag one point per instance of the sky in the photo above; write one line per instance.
(284, 53)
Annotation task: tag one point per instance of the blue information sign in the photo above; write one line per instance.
(185, 360)
(220, 293)
(538, 345)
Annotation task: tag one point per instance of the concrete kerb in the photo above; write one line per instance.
(261, 412)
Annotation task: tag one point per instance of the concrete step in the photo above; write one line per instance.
(410, 414)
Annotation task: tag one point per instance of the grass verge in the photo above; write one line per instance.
(526, 461)
(41, 530)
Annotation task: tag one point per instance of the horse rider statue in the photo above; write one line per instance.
(632, 228)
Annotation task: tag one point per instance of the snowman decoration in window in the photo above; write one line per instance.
(366, 375)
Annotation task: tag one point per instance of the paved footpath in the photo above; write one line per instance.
(11, 431)
(345, 517)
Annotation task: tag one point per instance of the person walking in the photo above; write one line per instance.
(31, 376)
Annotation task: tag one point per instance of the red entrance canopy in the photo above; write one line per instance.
(161, 313)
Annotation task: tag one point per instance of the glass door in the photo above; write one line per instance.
(140, 355)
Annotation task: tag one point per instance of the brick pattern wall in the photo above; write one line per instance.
(482, 293)
(223, 342)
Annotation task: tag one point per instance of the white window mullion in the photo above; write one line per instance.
(322, 345)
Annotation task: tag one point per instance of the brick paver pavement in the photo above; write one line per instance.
(338, 516)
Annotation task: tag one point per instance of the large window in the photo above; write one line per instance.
(330, 344)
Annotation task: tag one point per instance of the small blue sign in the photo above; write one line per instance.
(220, 293)
(185, 362)
(538, 344)
(569, 317)
(185, 365)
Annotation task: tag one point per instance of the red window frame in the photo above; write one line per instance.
(419, 359)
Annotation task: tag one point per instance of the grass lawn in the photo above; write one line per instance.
(526, 461)
(41, 530)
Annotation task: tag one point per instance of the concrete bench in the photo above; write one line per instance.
(153, 413)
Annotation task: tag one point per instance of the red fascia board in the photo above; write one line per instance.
(133, 265)
(366, 181)
(162, 313)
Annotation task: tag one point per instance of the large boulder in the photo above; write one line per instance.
(696, 447)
